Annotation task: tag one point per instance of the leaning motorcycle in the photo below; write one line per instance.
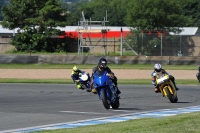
(198, 75)
(106, 90)
(84, 79)
(166, 87)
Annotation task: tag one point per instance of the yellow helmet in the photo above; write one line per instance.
(75, 68)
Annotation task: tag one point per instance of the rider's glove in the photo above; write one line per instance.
(154, 74)
(111, 75)
(77, 81)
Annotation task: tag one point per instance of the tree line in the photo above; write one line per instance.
(37, 20)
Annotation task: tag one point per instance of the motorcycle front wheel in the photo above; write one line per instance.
(116, 104)
(176, 99)
(170, 96)
(105, 100)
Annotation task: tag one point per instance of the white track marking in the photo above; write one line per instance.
(75, 112)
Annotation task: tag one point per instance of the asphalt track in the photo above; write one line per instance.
(30, 105)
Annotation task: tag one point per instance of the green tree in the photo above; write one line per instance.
(37, 21)
(154, 16)
(96, 11)
(191, 8)
(2, 3)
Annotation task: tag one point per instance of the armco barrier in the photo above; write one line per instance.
(69, 59)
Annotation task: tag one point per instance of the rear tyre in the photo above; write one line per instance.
(106, 102)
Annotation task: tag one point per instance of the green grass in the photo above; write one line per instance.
(183, 123)
(69, 81)
(90, 66)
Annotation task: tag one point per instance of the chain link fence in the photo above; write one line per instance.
(162, 44)
(144, 44)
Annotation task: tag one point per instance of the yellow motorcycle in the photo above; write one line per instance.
(166, 87)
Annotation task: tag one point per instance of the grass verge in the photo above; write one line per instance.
(90, 66)
(69, 81)
(183, 123)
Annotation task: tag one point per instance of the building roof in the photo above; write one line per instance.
(186, 31)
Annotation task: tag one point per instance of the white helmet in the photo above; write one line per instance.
(157, 67)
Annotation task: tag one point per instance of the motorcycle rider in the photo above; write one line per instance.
(101, 67)
(75, 76)
(198, 75)
(158, 68)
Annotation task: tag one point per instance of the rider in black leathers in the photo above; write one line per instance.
(101, 67)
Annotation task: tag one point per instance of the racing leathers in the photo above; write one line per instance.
(102, 70)
(153, 76)
(75, 78)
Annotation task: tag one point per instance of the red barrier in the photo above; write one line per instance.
(108, 34)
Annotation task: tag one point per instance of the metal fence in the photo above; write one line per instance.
(154, 44)
(147, 44)
(144, 44)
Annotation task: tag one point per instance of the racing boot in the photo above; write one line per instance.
(173, 81)
(118, 91)
(176, 87)
(93, 90)
(79, 86)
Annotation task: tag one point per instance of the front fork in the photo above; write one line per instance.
(170, 88)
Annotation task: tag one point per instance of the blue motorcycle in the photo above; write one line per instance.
(106, 90)
(85, 81)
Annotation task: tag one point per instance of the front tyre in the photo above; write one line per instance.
(169, 95)
(176, 99)
(106, 102)
(115, 104)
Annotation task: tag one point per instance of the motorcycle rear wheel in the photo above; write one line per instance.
(106, 102)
